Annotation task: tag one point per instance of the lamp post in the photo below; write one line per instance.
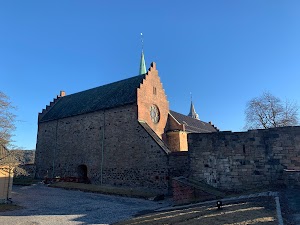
(219, 204)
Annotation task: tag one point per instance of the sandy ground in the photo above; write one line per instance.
(45, 205)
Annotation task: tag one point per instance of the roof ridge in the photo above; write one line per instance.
(189, 117)
(192, 124)
(118, 81)
(198, 127)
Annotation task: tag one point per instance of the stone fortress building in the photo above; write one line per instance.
(121, 134)
(124, 134)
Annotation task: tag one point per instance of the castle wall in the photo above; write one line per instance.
(244, 160)
(178, 164)
(130, 156)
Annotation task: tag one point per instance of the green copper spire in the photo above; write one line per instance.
(143, 69)
(142, 64)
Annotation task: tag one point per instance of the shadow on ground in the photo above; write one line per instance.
(45, 205)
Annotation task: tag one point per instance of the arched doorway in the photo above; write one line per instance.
(82, 173)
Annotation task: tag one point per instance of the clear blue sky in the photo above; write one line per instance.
(224, 52)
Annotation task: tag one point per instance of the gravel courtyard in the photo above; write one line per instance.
(45, 205)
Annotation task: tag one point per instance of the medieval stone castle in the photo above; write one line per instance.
(124, 134)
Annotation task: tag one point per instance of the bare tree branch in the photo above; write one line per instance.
(269, 111)
(7, 119)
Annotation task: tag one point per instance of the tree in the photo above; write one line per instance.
(7, 119)
(269, 111)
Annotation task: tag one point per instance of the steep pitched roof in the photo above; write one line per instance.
(107, 96)
(193, 125)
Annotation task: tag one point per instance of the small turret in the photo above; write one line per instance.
(193, 113)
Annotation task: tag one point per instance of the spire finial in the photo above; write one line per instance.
(142, 40)
(142, 63)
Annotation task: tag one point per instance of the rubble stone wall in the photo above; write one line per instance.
(111, 144)
(243, 160)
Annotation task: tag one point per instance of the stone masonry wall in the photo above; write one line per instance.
(178, 164)
(244, 160)
(130, 156)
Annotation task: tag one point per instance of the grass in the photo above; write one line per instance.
(9, 207)
(25, 181)
(262, 211)
(130, 192)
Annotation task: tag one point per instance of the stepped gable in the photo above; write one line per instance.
(104, 97)
(48, 107)
(193, 125)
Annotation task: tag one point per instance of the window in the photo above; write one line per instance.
(154, 90)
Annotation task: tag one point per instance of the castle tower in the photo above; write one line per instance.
(193, 113)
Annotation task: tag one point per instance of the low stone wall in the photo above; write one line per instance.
(292, 178)
(186, 192)
(244, 160)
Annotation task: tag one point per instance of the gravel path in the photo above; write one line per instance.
(45, 205)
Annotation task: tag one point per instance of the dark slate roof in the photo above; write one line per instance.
(107, 96)
(193, 125)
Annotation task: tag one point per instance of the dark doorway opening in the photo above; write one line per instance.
(82, 174)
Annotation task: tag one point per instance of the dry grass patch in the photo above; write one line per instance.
(262, 211)
(25, 181)
(132, 192)
(9, 207)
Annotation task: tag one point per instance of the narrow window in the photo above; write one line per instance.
(154, 90)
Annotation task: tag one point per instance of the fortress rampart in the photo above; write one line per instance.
(244, 160)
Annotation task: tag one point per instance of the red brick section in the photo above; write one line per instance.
(182, 193)
(150, 93)
(177, 141)
(175, 135)
(186, 193)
